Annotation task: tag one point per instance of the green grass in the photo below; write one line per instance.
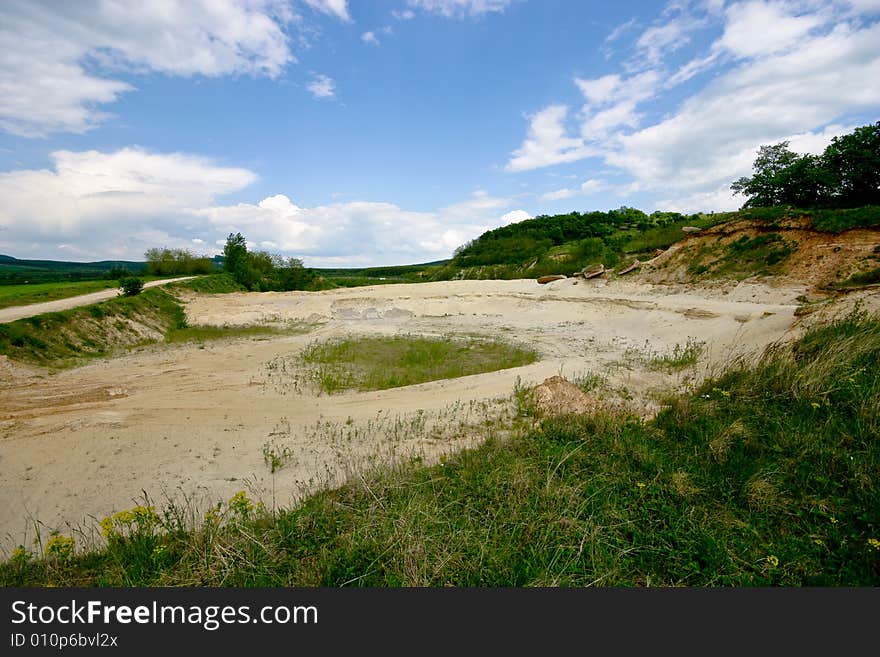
(768, 475)
(679, 357)
(23, 295)
(212, 284)
(207, 333)
(836, 221)
(763, 254)
(863, 279)
(66, 338)
(377, 363)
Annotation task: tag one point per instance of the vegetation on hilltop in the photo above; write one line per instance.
(262, 271)
(846, 175)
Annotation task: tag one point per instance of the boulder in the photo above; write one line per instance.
(593, 270)
(691, 229)
(543, 280)
(635, 265)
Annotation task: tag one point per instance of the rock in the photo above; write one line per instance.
(691, 229)
(543, 280)
(635, 265)
(593, 270)
(658, 252)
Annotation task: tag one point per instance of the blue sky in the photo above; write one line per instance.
(353, 133)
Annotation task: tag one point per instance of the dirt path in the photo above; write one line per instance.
(197, 421)
(20, 312)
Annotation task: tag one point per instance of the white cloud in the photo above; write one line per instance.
(547, 142)
(370, 37)
(403, 15)
(590, 186)
(461, 8)
(338, 8)
(117, 205)
(779, 70)
(44, 45)
(514, 216)
(322, 86)
(713, 136)
(105, 202)
(762, 28)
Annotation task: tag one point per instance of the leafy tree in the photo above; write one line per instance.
(846, 175)
(853, 163)
(234, 253)
(131, 286)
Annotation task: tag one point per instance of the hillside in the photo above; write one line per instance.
(759, 241)
(14, 270)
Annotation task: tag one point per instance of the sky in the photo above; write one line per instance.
(354, 133)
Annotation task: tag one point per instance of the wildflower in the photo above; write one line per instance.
(773, 560)
(874, 543)
(60, 546)
(833, 520)
(814, 405)
(641, 485)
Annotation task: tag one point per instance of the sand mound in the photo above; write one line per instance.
(557, 396)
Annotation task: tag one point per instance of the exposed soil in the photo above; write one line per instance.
(197, 421)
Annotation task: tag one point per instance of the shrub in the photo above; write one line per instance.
(131, 286)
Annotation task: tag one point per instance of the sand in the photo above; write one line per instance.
(196, 421)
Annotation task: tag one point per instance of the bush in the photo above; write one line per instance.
(131, 286)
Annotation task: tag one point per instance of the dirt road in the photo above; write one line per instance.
(20, 312)
(199, 421)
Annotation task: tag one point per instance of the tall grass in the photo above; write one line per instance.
(766, 475)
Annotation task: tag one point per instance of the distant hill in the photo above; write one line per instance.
(14, 270)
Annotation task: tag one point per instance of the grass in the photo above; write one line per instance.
(768, 475)
(377, 363)
(762, 254)
(863, 279)
(23, 295)
(68, 337)
(207, 333)
(677, 358)
(212, 284)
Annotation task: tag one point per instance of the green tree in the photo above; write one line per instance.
(853, 164)
(773, 182)
(234, 253)
(846, 175)
(131, 286)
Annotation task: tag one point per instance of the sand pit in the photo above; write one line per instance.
(197, 421)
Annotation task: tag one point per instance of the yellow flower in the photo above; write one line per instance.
(773, 560)
(833, 520)
(814, 405)
(874, 543)
(60, 546)
(641, 485)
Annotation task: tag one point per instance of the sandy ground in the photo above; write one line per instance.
(20, 312)
(197, 421)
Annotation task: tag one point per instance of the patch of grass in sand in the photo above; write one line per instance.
(377, 363)
(768, 475)
(678, 357)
